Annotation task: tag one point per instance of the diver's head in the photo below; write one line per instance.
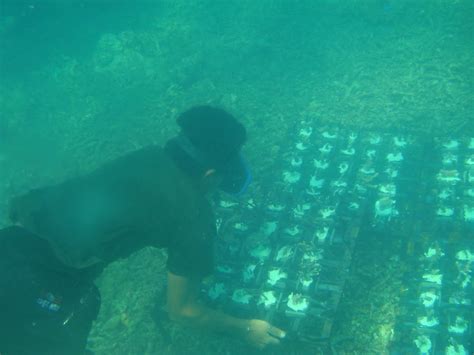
(208, 147)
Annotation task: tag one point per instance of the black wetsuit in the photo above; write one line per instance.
(70, 231)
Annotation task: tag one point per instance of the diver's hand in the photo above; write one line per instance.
(260, 334)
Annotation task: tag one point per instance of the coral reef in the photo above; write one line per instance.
(406, 67)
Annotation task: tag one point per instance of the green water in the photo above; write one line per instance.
(82, 82)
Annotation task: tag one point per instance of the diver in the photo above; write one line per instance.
(62, 236)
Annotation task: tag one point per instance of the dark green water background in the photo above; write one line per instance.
(82, 82)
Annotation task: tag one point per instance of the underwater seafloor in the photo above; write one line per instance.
(395, 67)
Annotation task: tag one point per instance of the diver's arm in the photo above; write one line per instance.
(184, 308)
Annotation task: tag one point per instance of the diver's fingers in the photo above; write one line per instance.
(273, 341)
(276, 332)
